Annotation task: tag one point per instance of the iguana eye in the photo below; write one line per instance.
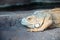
(29, 18)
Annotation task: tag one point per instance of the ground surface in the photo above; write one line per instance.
(16, 31)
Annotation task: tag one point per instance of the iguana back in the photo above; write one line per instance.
(56, 16)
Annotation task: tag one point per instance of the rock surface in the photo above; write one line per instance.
(11, 28)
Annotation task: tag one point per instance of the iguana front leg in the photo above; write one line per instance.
(33, 30)
(47, 23)
(44, 26)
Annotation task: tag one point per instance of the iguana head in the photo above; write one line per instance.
(30, 21)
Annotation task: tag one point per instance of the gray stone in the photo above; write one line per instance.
(11, 28)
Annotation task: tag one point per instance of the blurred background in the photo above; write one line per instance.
(27, 4)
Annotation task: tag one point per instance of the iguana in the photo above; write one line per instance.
(43, 19)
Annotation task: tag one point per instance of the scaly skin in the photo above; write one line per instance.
(52, 18)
